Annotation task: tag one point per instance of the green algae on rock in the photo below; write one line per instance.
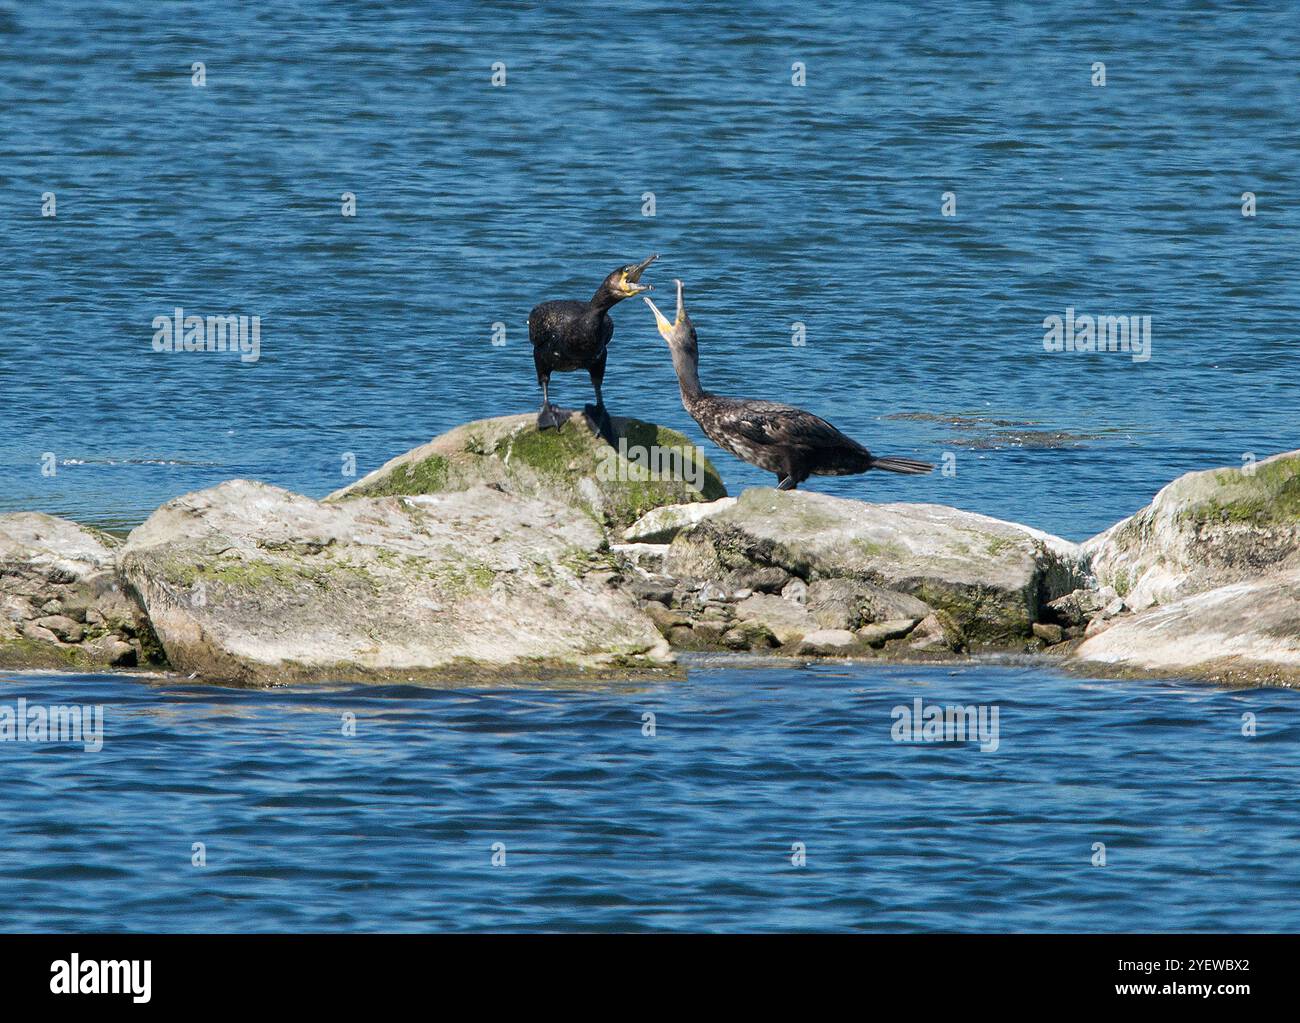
(1203, 530)
(993, 578)
(498, 566)
(61, 602)
(250, 584)
(651, 466)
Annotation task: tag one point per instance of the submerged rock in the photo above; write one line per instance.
(1245, 633)
(249, 583)
(1203, 530)
(992, 578)
(60, 603)
(650, 466)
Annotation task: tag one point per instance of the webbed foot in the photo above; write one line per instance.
(549, 417)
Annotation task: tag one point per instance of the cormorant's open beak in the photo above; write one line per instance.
(667, 327)
(632, 277)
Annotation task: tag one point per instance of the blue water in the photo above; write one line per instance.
(604, 827)
(776, 204)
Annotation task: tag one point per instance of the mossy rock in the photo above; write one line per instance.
(47, 560)
(1266, 494)
(992, 578)
(980, 618)
(649, 467)
(1203, 530)
(19, 653)
(253, 585)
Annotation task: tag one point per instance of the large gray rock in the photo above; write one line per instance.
(1203, 530)
(249, 583)
(990, 578)
(60, 603)
(650, 466)
(1245, 633)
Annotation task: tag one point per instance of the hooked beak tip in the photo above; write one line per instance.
(633, 276)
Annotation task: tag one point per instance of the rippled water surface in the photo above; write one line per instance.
(605, 827)
(776, 204)
(817, 205)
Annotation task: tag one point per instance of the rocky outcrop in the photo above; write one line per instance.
(1202, 582)
(1204, 530)
(650, 466)
(498, 552)
(251, 584)
(847, 564)
(1245, 633)
(60, 603)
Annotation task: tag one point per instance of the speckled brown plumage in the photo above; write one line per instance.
(785, 440)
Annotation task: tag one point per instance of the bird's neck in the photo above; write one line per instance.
(688, 376)
(604, 300)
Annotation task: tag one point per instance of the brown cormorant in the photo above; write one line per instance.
(569, 335)
(782, 439)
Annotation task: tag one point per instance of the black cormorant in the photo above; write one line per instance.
(569, 335)
(782, 439)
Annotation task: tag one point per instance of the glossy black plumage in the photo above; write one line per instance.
(568, 335)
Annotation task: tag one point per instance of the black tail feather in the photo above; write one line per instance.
(907, 466)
